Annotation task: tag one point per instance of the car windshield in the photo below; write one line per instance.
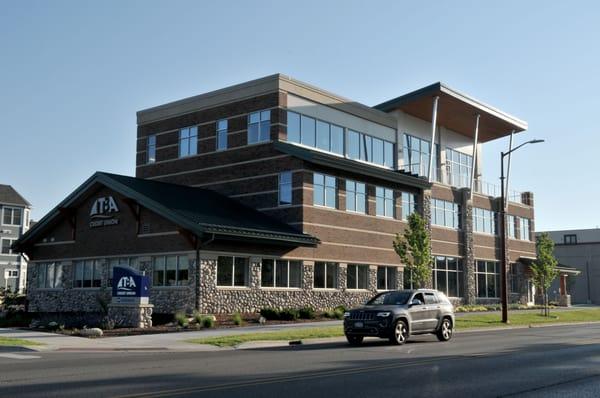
(390, 298)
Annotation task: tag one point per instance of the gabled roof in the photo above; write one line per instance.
(200, 211)
(9, 196)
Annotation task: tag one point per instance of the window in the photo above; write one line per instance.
(357, 277)
(459, 168)
(188, 141)
(445, 213)
(416, 155)
(484, 221)
(316, 133)
(222, 134)
(281, 273)
(259, 126)
(6, 244)
(122, 261)
(151, 149)
(370, 149)
(386, 278)
(50, 276)
(384, 202)
(232, 271)
(447, 275)
(285, 188)
(487, 275)
(12, 273)
(324, 190)
(170, 270)
(511, 226)
(513, 278)
(570, 239)
(88, 273)
(409, 204)
(356, 196)
(325, 275)
(525, 228)
(12, 216)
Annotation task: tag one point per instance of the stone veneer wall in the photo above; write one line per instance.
(469, 293)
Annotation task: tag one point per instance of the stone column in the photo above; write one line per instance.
(399, 279)
(255, 268)
(342, 277)
(208, 283)
(469, 293)
(424, 207)
(308, 275)
(372, 278)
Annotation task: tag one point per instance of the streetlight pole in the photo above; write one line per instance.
(503, 254)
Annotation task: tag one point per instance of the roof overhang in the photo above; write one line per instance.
(456, 111)
(561, 268)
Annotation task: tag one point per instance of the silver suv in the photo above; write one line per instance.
(396, 315)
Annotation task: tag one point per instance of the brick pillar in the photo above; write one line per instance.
(424, 206)
(527, 198)
(469, 293)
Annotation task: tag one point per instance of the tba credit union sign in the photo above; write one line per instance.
(103, 212)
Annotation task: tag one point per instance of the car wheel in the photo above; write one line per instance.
(354, 340)
(445, 331)
(400, 333)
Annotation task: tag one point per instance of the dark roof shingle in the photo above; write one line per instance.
(8, 195)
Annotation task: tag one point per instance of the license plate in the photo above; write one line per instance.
(358, 324)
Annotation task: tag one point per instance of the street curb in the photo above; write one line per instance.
(530, 326)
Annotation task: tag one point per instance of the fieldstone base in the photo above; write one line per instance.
(564, 300)
(131, 315)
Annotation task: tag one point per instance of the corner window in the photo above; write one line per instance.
(370, 149)
(384, 202)
(188, 141)
(232, 271)
(326, 275)
(358, 276)
(447, 275)
(88, 273)
(444, 213)
(6, 244)
(416, 155)
(285, 188)
(259, 126)
(170, 270)
(484, 221)
(281, 273)
(487, 276)
(386, 278)
(49, 276)
(570, 239)
(11, 216)
(151, 149)
(324, 190)
(409, 204)
(356, 196)
(222, 126)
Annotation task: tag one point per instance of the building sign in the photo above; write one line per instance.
(103, 212)
(129, 286)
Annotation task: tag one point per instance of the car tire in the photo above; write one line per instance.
(446, 330)
(354, 340)
(399, 333)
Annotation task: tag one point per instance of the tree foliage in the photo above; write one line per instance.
(414, 249)
(544, 270)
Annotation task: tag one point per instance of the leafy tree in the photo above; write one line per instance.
(414, 249)
(544, 268)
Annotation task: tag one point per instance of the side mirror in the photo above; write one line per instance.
(415, 302)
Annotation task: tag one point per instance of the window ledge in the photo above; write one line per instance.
(281, 289)
(176, 287)
(88, 288)
(326, 289)
(233, 287)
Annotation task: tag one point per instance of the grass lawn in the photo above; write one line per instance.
(11, 341)
(470, 321)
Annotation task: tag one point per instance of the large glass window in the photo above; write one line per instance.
(285, 188)
(188, 141)
(484, 221)
(11, 216)
(409, 204)
(487, 275)
(232, 271)
(357, 277)
(324, 190)
(370, 149)
(444, 213)
(259, 126)
(325, 276)
(447, 275)
(315, 133)
(151, 149)
(416, 155)
(49, 276)
(459, 165)
(222, 134)
(281, 273)
(525, 228)
(356, 196)
(88, 273)
(384, 202)
(386, 278)
(170, 270)
(511, 226)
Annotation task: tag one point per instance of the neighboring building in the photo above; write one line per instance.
(277, 193)
(14, 210)
(578, 249)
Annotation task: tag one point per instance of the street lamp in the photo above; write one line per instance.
(503, 265)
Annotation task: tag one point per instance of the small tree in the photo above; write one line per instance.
(544, 268)
(414, 249)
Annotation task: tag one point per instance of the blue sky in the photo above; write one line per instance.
(73, 74)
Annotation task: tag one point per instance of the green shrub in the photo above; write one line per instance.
(307, 313)
(289, 314)
(329, 314)
(207, 321)
(181, 319)
(237, 319)
(338, 312)
(270, 314)
(198, 317)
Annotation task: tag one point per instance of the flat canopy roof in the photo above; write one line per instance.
(456, 111)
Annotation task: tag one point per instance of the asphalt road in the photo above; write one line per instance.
(539, 362)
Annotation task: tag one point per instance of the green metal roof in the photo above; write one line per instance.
(198, 210)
